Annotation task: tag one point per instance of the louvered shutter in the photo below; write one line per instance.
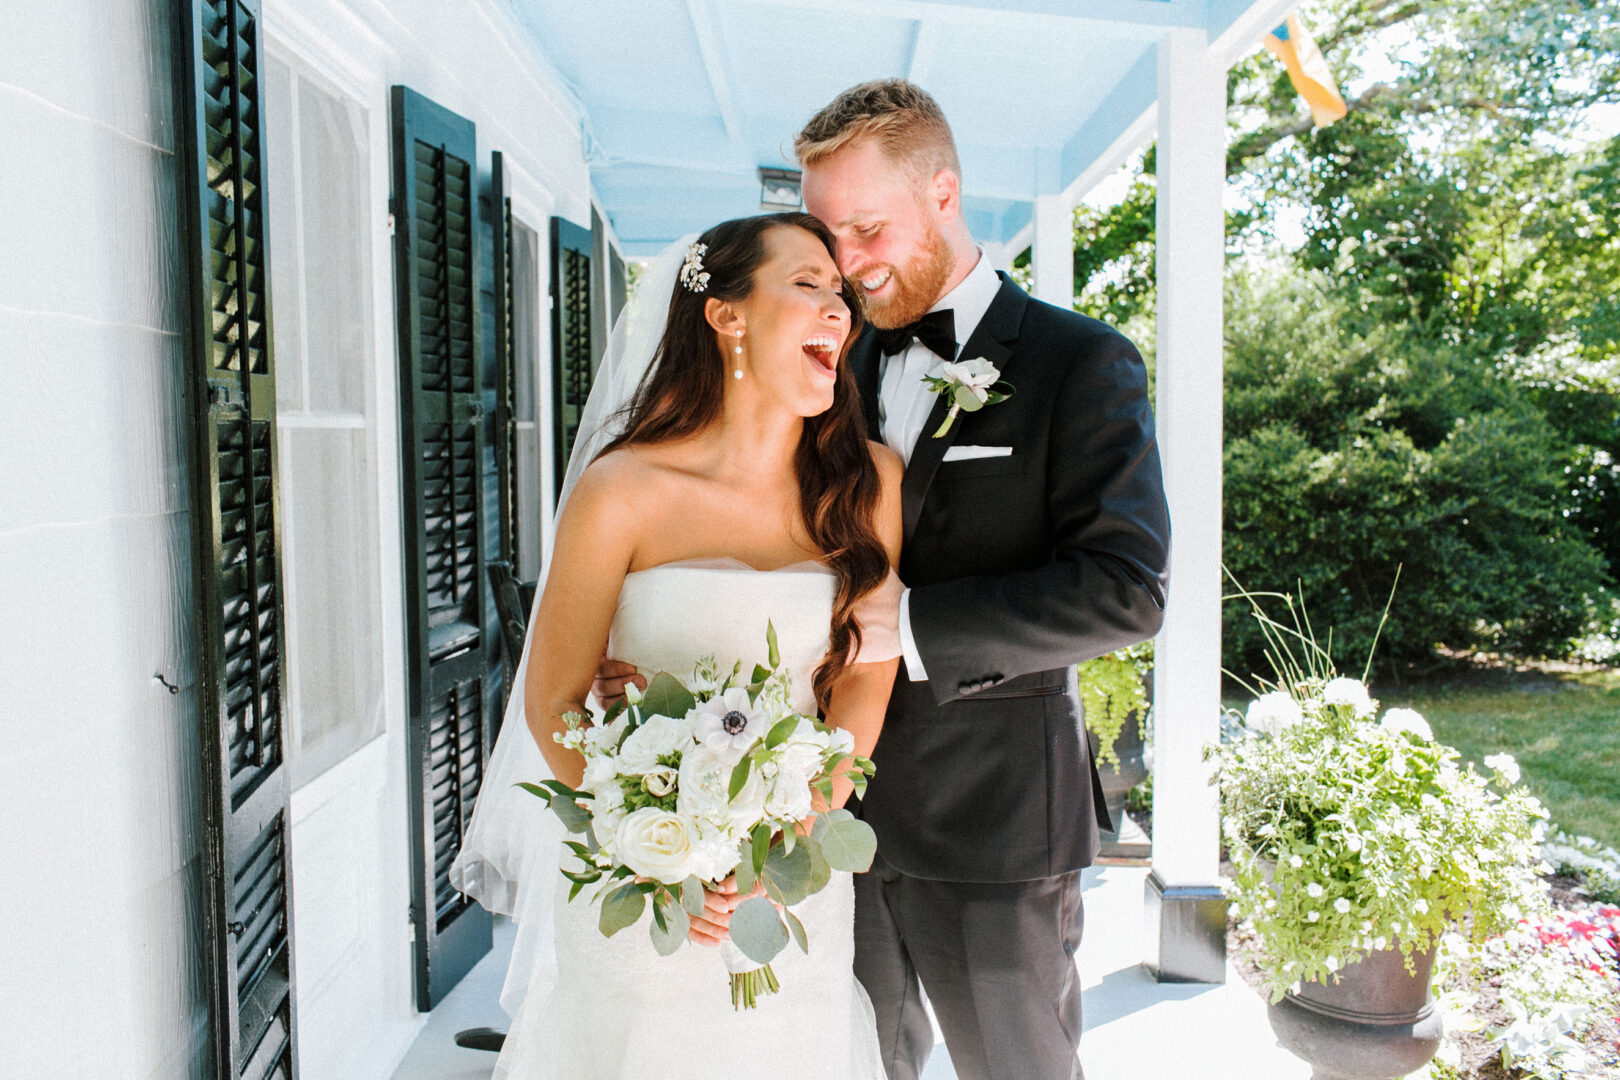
(572, 349)
(506, 365)
(442, 455)
(236, 541)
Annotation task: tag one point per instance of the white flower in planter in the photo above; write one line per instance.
(1506, 765)
(1408, 721)
(1349, 693)
(1272, 713)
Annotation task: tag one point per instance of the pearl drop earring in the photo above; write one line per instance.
(738, 350)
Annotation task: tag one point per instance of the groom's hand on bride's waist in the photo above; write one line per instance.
(611, 677)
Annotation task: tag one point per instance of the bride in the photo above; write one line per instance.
(732, 486)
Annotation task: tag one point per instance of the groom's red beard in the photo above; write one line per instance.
(917, 286)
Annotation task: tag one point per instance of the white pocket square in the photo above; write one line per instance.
(968, 453)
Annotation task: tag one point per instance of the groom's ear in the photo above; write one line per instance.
(723, 316)
(945, 193)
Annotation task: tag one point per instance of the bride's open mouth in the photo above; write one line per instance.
(822, 351)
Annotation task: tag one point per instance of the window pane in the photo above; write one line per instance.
(286, 269)
(332, 136)
(336, 651)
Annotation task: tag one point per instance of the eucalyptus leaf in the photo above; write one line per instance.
(561, 788)
(967, 400)
(796, 928)
(692, 895)
(665, 696)
(789, 837)
(621, 908)
(613, 713)
(849, 845)
(671, 935)
(574, 817)
(775, 654)
(820, 871)
(819, 829)
(787, 875)
(761, 673)
(739, 777)
(745, 868)
(757, 930)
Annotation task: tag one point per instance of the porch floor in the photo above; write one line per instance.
(1135, 1027)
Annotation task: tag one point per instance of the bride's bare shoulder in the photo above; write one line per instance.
(891, 470)
(628, 476)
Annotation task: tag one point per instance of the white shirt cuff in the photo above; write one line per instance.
(908, 644)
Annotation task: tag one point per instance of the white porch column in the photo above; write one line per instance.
(1186, 912)
(1052, 251)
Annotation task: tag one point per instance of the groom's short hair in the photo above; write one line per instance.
(898, 115)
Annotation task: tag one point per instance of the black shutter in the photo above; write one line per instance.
(235, 507)
(506, 365)
(442, 454)
(572, 350)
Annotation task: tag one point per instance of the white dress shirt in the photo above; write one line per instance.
(904, 400)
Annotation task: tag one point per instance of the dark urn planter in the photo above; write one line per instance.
(1376, 1023)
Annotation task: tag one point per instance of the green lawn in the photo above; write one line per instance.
(1563, 728)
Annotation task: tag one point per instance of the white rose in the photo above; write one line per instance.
(1342, 906)
(660, 781)
(1349, 693)
(659, 736)
(656, 844)
(1271, 713)
(1313, 890)
(1504, 764)
(1408, 720)
(705, 783)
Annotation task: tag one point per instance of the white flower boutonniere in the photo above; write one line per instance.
(970, 384)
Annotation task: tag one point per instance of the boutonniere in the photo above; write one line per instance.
(970, 385)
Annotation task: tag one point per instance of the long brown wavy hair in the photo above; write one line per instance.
(682, 392)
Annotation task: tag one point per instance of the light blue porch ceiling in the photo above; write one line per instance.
(685, 99)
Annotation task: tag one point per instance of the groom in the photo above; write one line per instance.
(1036, 536)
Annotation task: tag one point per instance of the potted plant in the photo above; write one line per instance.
(1114, 692)
(1356, 841)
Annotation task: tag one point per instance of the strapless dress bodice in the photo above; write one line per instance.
(671, 616)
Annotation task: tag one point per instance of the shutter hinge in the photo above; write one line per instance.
(390, 224)
(224, 395)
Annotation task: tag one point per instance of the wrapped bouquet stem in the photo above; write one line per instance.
(690, 783)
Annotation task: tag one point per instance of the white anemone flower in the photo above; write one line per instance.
(729, 723)
(977, 375)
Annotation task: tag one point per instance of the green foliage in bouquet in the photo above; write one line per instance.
(1350, 833)
(1112, 691)
(687, 784)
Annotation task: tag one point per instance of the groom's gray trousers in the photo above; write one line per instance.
(997, 962)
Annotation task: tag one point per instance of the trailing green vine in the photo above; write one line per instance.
(1112, 691)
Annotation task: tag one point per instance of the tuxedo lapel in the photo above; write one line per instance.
(864, 359)
(991, 339)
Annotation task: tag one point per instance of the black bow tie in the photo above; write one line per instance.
(936, 330)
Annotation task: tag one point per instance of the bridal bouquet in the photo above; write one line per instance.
(687, 784)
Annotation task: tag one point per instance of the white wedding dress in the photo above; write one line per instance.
(612, 1008)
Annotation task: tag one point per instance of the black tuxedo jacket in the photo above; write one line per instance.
(1019, 566)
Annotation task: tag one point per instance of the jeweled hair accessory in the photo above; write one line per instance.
(693, 276)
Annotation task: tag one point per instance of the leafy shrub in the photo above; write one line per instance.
(1355, 447)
